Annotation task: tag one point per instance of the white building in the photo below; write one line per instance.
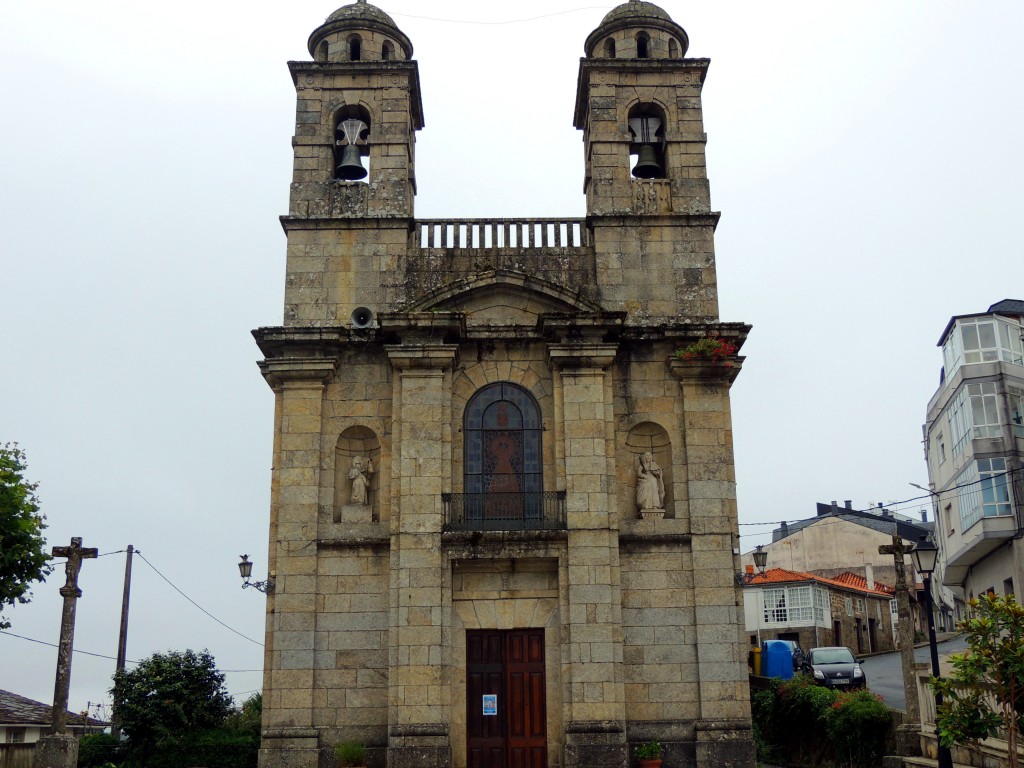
(974, 442)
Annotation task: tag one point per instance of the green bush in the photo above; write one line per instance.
(97, 750)
(799, 723)
(351, 753)
(220, 747)
(858, 726)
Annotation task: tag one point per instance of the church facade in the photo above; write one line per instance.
(503, 525)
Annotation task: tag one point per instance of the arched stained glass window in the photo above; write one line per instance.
(503, 441)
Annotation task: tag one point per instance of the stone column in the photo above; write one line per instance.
(595, 734)
(290, 739)
(419, 695)
(723, 733)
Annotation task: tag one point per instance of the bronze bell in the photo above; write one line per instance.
(647, 165)
(351, 166)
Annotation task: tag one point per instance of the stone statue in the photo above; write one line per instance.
(362, 468)
(650, 488)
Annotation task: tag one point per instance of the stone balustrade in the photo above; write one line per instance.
(500, 234)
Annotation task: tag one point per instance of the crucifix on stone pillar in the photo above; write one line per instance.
(908, 732)
(70, 592)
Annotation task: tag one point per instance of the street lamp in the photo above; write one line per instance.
(925, 554)
(760, 561)
(245, 569)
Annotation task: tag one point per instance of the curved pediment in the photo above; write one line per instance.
(504, 299)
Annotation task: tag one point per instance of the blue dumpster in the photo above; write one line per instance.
(777, 660)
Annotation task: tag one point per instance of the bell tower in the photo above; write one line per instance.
(358, 110)
(638, 103)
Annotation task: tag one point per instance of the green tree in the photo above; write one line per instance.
(986, 688)
(23, 555)
(169, 696)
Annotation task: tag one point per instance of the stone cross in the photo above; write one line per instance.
(912, 719)
(70, 592)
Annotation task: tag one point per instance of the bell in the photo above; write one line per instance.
(351, 166)
(647, 165)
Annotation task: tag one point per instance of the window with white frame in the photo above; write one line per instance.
(940, 448)
(981, 340)
(794, 605)
(1016, 398)
(894, 608)
(15, 735)
(878, 609)
(974, 413)
(860, 604)
(820, 605)
(775, 606)
(849, 606)
(983, 491)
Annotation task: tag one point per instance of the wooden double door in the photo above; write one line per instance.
(506, 712)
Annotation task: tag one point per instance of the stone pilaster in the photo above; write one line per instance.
(595, 731)
(418, 684)
(723, 734)
(289, 738)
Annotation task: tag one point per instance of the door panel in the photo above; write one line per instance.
(509, 664)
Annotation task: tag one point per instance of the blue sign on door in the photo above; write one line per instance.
(490, 704)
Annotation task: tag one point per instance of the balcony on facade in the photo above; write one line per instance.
(977, 542)
(531, 511)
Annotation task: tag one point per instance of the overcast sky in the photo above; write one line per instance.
(867, 159)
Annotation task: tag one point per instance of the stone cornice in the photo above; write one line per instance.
(412, 355)
(282, 370)
(710, 371)
(576, 355)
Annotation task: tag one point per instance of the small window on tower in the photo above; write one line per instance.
(355, 48)
(387, 51)
(643, 42)
(609, 48)
(673, 48)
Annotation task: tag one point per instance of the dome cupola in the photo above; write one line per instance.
(359, 32)
(637, 30)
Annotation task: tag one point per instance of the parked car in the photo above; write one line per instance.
(835, 667)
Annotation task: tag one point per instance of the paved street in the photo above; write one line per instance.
(885, 675)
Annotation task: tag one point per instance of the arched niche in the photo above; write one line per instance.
(609, 48)
(357, 466)
(647, 438)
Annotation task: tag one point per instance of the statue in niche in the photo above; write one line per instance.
(650, 487)
(362, 469)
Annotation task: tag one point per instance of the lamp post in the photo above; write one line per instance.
(760, 561)
(245, 570)
(925, 554)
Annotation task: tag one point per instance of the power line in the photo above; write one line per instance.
(197, 605)
(101, 655)
(905, 501)
(507, 21)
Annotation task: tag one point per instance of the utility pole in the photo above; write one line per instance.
(908, 735)
(60, 749)
(122, 638)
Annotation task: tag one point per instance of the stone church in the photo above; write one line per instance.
(503, 525)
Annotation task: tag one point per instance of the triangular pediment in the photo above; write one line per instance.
(500, 298)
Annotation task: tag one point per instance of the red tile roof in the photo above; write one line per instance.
(850, 581)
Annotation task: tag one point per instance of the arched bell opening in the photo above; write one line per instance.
(647, 129)
(387, 51)
(609, 48)
(643, 45)
(351, 144)
(355, 47)
(673, 48)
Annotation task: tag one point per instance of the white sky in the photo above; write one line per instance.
(866, 158)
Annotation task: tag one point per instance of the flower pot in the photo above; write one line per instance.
(649, 762)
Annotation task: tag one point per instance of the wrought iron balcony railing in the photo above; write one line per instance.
(543, 511)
